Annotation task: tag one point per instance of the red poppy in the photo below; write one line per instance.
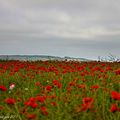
(88, 100)
(16, 69)
(53, 103)
(10, 101)
(31, 102)
(34, 105)
(32, 99)
(37, 84)
(117, 72)
(31, 116)
(44, 110)
(115, 95)
(72, 83)
(87, 104)
(95, 86)
(86, 107)
(57, 83)
(48, 87)
(41, 98)
(114, 108)
(81, 86)
(3, 88)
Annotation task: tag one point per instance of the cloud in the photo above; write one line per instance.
(79, 25)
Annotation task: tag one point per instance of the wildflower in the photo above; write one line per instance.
(87, 104)
(33, 105)
(81, 86)
(95, 86)
(31, 102)
(72, 83)
(57, 83)
(115, 95)
(48, 87)
(69, 89)
(41, 98)
(10, 101)
(31, 116)
(37, 84)
(117, 72)
(44, 110)
(3, 88)
(86, 107)
(113, 108)
(53, 103)
(16, 69)
(12, 86)
(88, 100)
(32, 99)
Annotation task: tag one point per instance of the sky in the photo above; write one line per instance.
(75, 28)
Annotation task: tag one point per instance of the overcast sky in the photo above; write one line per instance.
(76, 28)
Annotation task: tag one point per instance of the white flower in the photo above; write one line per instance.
(11, 86)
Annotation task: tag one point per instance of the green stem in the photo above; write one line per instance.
(18, 112)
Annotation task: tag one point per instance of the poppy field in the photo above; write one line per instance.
(59, 90)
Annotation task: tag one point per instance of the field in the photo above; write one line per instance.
(59, 90)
